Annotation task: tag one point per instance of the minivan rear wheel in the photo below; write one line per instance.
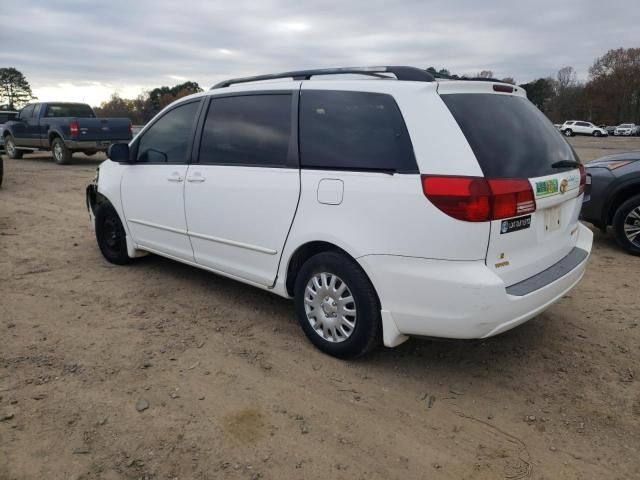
(337, 306)
(626, 224)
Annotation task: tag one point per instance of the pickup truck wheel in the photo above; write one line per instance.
(61, 154)
(110, 234)
(10, 147)
(626, 224)
(337, 306)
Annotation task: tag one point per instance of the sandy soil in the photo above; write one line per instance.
(229, 387)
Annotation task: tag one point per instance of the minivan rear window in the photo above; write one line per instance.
(342, 130)
(509, 136)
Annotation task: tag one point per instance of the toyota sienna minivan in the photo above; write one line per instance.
(387, 203)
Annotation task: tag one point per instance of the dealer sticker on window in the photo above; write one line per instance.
(547, 187)
(515, 224)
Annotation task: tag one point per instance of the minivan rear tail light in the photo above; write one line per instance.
(74, 128)
(479, 199)
(583, 179)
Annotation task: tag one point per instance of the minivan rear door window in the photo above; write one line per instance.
(343, 130)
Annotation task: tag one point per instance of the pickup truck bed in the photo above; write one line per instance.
(63, 128)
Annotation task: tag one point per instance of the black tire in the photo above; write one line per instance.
(10, 148)
(90, 153)
(624, 215)
(110, 235)
(367, 332)
(568, 132)
(596, 133)
(61, 154)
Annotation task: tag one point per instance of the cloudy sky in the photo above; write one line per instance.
(85, 50)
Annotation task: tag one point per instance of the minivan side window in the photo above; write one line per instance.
(341, 130)
(168, 139)
(247, 130)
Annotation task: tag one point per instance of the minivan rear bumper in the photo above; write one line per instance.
(460, 299)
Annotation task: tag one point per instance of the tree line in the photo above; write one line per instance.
(143, 108)
(610, 95)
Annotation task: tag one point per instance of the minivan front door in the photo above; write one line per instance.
(242, 195)
(153, 187)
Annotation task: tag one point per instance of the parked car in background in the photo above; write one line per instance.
(611, 129)
(612, 197)
(5, 116)
(63, 128)
(578, 127)
(626, 129)
(342, 195)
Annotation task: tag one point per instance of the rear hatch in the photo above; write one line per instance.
(513, 140)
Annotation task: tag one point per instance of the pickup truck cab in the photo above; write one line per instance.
(63, 128)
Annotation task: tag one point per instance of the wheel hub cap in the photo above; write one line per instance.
(330, 307)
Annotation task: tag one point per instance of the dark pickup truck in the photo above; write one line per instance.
(63, 128)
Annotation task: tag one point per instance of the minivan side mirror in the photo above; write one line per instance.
(119, 152)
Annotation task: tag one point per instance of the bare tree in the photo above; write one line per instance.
(566, 78)
(485, 74)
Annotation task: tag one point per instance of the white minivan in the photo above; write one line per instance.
(387, 203)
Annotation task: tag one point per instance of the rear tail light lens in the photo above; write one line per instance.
(479, 199)
(583, 179)
(74, 128)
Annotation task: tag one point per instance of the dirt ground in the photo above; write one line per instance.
(228, 387)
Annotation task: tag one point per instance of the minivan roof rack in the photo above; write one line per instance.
(400, 72)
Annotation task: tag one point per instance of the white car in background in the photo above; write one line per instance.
(579, 127)
(384, 208)
(626, 129)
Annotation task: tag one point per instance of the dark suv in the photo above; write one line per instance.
(613, 197)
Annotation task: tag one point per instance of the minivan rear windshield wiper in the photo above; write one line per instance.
(566, 164)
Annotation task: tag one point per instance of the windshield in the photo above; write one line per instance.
(509, 136)
(79, 110)
(626, 125)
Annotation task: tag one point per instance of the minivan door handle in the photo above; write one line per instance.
(196, 178)
(175, 177)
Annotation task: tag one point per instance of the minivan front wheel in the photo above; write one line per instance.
(110, 234)
(337, 306)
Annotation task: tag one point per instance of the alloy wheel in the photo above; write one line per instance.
(632, 226)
